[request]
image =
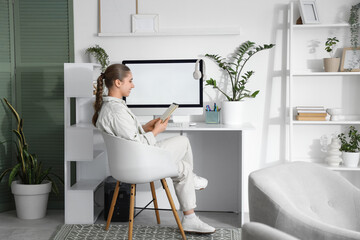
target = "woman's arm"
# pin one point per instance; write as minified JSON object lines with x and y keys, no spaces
{"x":150,"y":125}
{"x":160,"y":126}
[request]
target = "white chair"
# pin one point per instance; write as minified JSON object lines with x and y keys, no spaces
{"x":134,"y":163}
{"x":306,"y":201}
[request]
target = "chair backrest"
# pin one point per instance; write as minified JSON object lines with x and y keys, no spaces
{"x":303,"y":188}
{"x":133,"y":162}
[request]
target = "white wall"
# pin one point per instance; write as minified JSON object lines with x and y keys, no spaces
{"x":259,"y":20}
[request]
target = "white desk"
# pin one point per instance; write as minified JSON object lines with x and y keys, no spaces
{"x":220,"y":155}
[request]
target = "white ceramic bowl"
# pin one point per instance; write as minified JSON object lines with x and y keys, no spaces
{"x":334,"y":111}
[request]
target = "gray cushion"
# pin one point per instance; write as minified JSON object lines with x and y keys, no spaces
{"x":305,"y":200}
{"x":259,"y":231}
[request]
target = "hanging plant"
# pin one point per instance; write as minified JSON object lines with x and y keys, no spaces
{"x":354,"y":25}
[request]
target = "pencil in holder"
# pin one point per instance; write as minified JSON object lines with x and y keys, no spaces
{"x":212,"y":117}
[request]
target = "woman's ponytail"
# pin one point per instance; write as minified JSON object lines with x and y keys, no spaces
{"x":113,"y":72}
{"x":99,"y":98}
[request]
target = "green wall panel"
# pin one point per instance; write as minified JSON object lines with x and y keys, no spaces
{"x":6,"y":91}
{"x":36,"y":38}
{"x":43,"y":40}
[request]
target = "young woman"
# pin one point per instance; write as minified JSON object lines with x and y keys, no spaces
{"x":114,"y":117}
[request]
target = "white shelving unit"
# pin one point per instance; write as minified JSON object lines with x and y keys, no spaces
{"x":84,"y":146}
{"x":306,"y":72}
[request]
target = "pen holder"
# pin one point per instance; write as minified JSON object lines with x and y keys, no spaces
{"x":212,"y":117}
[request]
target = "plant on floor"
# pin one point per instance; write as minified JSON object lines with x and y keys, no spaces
{"x":234,"y":66}
{"x":354,"y":25}
{"x":330,"y":44}
{"x":27,"y":168}
{"x":351,"y":142}
{"x":100,"y":54}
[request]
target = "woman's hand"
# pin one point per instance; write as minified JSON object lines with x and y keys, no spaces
{"x":160,"y":126}
{"x":150,"y":125}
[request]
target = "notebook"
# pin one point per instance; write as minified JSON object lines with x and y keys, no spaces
{"x":169,"y":111}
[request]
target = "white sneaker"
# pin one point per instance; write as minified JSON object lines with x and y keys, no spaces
{"x":199,"y":182}
{"x":195,"y":225}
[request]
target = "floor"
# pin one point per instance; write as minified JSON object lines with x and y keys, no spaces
{"x":12,"y":228}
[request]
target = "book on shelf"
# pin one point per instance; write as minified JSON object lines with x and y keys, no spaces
{"x":311,"y":111}
{"x":307,"y":118}
{"x":310,"y":108}
{"x":312,"y":114}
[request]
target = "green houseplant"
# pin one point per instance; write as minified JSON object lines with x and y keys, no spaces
{"x":350,"y":147}
{"x":28,"y":177}
{"x":233,"y":68}
{"x":331,"y":64}
{"x":100,"y":55}
{"x":354,"y":25}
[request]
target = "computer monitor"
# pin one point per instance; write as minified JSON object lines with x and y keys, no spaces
{"x":158,"y":83}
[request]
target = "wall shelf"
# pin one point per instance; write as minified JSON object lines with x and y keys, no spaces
{"x":340,"y":168}
{"x":304,"y":74}
{"x":180,"y":32}
{"x":331,"y":25}
{"x":295,"y":122}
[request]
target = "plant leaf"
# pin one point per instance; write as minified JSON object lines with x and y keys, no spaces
{"x":3,"y":174}
{"x":14,"y":172}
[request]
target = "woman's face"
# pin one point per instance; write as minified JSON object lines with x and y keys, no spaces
{"x":126,"y":85}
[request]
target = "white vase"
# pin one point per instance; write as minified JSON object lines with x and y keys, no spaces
{"x":351,"y":159}
{"x":31,"y":199}
{"x":333,"y":154}
{"x":232,"y":112}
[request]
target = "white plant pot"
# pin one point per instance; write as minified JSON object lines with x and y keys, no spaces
{"x":351,"y":159}
{"x":232,"y":112}
{"x":93,"y":59}
{"x":31,"y":199}
{"x":331,"y":64}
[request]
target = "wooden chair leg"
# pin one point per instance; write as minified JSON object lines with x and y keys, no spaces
{"x":155,"y":202}
{"x":163,"y":181}
{"x":113,"y":202}
{"x":131,"y":213}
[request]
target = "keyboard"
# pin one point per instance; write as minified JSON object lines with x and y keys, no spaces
{"x":177,"y":124}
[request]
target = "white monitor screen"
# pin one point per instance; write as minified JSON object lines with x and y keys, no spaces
{"x":162,"y":82}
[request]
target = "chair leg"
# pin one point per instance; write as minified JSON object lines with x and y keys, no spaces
{"x":155,"y":202}
{"x":163,"y":181}
{"x":113,"y":202}
{"x":131,"y":213}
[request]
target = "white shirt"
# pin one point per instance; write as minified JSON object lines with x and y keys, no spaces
{"x":116,"y":118}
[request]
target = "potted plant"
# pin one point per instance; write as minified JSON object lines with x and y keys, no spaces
{"x":29,"y":181}
{"x":233,"y":67}
{"x":331,"y":64}
{"x":354,"y":25}
{"x":350,"y":147}
{"x":99,"y":55}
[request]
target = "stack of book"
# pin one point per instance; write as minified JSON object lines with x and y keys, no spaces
{"x":311,"y":113}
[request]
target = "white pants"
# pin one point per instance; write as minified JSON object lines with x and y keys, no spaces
{"x":184,"y":183}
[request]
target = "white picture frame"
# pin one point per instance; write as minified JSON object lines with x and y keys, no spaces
{"x":308,"y":12}
{"x":115,"y":16}
{"x":145,"y":23}
{"x":350,"y":61}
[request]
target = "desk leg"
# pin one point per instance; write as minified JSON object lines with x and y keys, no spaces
{"x":245,"y":165}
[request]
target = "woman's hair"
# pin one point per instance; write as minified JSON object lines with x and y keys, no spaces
{"x":113,"y":72}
